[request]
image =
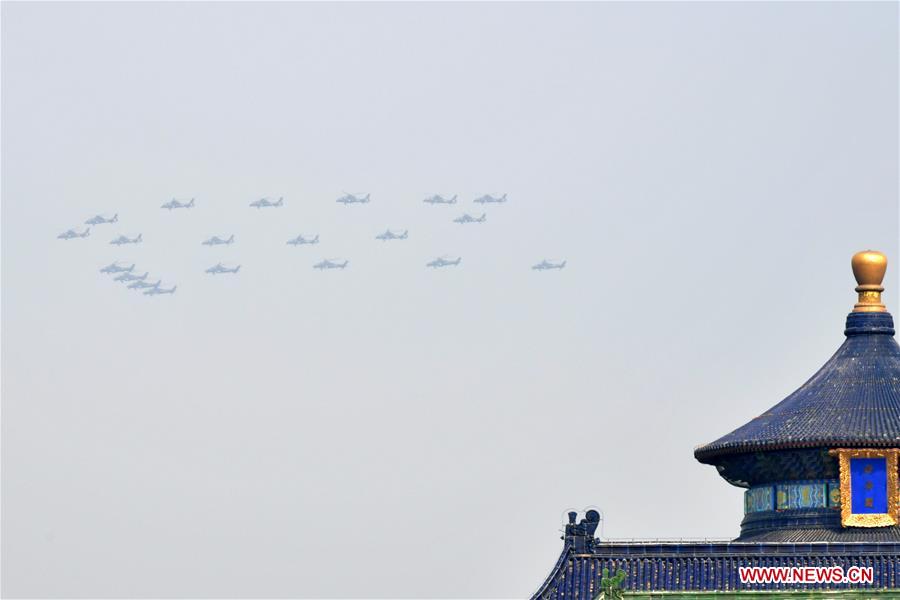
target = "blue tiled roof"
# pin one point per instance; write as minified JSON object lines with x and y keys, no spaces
{"x":854,"y":399}
{"x":705,"y":567}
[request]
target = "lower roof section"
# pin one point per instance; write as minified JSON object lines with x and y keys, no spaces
{"x":657,"y":567}
{"x":826,"y":534}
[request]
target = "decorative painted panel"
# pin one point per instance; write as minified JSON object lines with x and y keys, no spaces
{"x":793,"y":495}
{"x":759,"y":499}
{"x":806,"y":495}
{"x":834,"y":494}
{"x":799,"y":496}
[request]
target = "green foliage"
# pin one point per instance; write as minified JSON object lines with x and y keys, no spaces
{"x":611,"y":587}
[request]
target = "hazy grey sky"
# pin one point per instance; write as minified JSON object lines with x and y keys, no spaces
{"x":390,"y":431}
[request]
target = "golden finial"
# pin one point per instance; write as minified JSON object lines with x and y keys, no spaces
{"x":869,"y":267}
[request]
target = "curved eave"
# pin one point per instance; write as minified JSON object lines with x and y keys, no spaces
{"x":706,"y":453}
{"x":555,"y":575}
{"x":852,"y":400}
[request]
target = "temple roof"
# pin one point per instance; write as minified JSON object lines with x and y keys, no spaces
{"x":652,"y":569}
{"x":853,"y":400}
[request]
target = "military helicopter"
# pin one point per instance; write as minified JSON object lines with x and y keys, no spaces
{"x":330,"y":264}
{"x":348,"y":199}
{"x":131,"y":277}
{"x":217,"y":241}
{"x":72,"y":234}
{"x":390,"y":235}
{"x":443,"y":261}
{"x":300,"y":240}
{"x":438,"y":199}
{"x":141,"y":284}
{"x":266,"y":203}
{"x":125,"y":240}
{"x":546,"y":265}
{"x":156,"y":290}
{"x":488,"y":199}
{"x":115,"y":268}
{"x":173,"y":204}
{"x":100,"y":220}
{"x":219,"y":268}
{"x":467,"y":218}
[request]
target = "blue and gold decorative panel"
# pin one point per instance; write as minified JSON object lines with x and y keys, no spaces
{"x":781,"y":496}
{"x":807,"y":495}
{"x":759,"y":499}
{"x":804,"y":495}
{"x":868,"y":487}
{"x":834,"y":494}
{"x":801,"y":495}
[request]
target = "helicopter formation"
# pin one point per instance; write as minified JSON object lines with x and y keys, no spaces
{"x":125,"y":274}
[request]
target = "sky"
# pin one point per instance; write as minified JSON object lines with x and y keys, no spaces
{"x":706,"y":170}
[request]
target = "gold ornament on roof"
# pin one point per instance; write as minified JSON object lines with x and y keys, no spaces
{"x":869,"y":267}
